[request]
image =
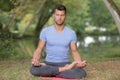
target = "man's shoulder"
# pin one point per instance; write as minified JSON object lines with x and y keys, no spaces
{"x":69,"y":29}
{"x":47,"y":28}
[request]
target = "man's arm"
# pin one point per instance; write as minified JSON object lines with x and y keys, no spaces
{"x":37,"y":53}
{"x":76,"y":55}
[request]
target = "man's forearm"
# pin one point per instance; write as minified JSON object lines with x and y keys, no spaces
{"x":37,"y":54}
{"x":39,"y":49}
{"x":76,"y":56}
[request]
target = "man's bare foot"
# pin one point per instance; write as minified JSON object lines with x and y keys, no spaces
{"x":42,"y":64}
{"x":68,"y":66}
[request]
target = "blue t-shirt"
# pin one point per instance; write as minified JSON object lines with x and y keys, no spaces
{"x":57,"y":44}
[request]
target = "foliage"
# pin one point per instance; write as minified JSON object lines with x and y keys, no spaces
{"x":6,"y":45}
{"x":100,"y":16}
{"x":77,"y":14}
{"x":3,"y":17}
{"x":117,"y":2}
{"x":4,"y":5}
{"x":23,"y":23}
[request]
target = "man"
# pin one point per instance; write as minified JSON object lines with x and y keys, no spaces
{"x":58,"y":40}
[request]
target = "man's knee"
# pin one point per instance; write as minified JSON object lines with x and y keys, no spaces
{"x":84,"y":74}
{"x":42,"y":70}
{"x":74,"y":73}
{"x":34,"y":71}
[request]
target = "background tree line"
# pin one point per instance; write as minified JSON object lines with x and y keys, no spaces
{"x":81,"y":14}
{"x":21,"y":18}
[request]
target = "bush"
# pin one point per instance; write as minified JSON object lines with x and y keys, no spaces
{"x":6,"y":45}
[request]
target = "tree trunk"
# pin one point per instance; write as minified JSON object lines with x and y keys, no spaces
{"x":40,"y":8}
{"x":114,"y":11}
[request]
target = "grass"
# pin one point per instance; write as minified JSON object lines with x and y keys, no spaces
{"x":15,"y":70}
{"x":19,"y":70}
{"x":107,"y":70}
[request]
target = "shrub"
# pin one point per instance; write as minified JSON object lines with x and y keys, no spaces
{"x":6,"y":45}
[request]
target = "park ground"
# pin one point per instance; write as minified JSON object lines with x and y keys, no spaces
{"x":100,"y":70}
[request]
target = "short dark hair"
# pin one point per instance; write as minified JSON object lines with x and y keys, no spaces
{"x":59,"y":7}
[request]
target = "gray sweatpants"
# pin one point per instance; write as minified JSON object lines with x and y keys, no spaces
{"x":51,"y":70}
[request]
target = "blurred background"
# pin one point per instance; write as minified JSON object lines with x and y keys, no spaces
{"x":96,"y":23}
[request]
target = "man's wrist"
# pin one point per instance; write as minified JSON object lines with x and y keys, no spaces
{"x":34,"y":59}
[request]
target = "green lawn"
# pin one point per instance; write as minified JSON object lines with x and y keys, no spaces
{"x":19,"y":70}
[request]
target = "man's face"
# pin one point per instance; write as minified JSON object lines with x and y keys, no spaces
{"x":59,"y":17}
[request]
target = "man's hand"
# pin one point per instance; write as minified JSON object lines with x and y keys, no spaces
{"x":82,"y":64}
{"x":36,"y":62}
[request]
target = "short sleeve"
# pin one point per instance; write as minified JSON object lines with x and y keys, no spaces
{"x":73,"y":38}
{"x":43,"y":35}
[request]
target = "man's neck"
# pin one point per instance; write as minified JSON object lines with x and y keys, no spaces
{"x":59,"y":28}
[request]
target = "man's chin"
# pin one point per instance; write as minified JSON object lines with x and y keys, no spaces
{"x":59,"y":24}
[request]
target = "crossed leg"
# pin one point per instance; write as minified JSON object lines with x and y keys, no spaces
{"x":67,"y":71}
